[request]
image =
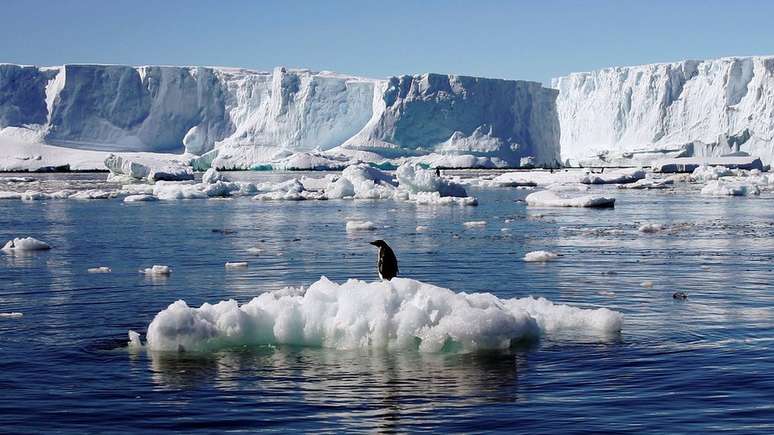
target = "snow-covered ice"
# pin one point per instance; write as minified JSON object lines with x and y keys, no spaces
{"x":401,"y":313}
{"x":140,"y":198}
{"x":621,"y":176}
{"x":650,"y":228}
{"x":236,"y":265}
{"x":25,"y":244}
{"x":360,"y":226}
{"x":722,"y":188}
{"x":11,"y":315}
{"x":157,"y":270}
{"x":100,"y":269}
{"x":547,"y":198}
{"x":540,"y":256}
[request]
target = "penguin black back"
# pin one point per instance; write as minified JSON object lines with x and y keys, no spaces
{"x":387,"y":264}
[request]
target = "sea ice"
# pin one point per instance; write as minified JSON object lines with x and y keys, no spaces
{"x":360,"y":225}
{"x":134,"y":340}
{"x":621,"y":176}
{"x":101,"y":269}
{"x":140,"y":198}
{"x":236,"y":264}
{"x":540,"y":256}
{"x":157,"y":270}
{"x":651,"y":228}
{"x":11,"y":315}
{"x":25,"y":244}
{"x":401,"y":313}
{"x":546,"y":198}
{"x":474,"y":224}
{"x":720,"y":188}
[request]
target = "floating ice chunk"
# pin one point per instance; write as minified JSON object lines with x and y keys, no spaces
{"x":212,"y":176}
{"x":720,"y":188}
{"x":236,"y":264}
{"x":140,"y":198}
{"x":10,"y":195}
{"x":647,"y":284}
{"x":651,"y":228}
{"x":401,"y":313}
{"x":101,"y":269}
{"x":157,"y":270}
{"x":93,"y":194}
{"x":649,"y":183}
{"x":170,"y":190}
{"x":25,"y":244}
{"x":254,"y":251}
{"x":148,"y":168}
{"x":32,"y":195}
{"x":415,"y":179}
{"x":540,"y":256}
{"x":134,"y":340}
{"x":17,"y":179}
{"x":708,"y":173}
{"x":474,"y":224}
{"x":137,"y":189}
{"x":360,"y":225}
{"x":621,"y":176}
{"x":546,"y":198}
{"x":422,"y":228}
{"x":11,"y":315}
{"x":435,"y":198}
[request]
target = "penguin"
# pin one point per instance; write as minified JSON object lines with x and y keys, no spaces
{"x":387,"y":264}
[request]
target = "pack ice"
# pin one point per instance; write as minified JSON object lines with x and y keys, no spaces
{"x":402,"y":313}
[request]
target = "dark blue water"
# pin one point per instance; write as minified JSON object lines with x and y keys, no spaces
{"x":700,"y":365}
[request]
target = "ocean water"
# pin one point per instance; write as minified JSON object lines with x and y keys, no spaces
{"x":700,"y":365}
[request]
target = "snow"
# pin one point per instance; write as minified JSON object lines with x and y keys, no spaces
{"x":25,"y":244}
{"x":547,"y":198}
{"x":101,"y":269}
{"x":397,"y":314}
{"x":360,"y":226}
{"x":699,"y":107}
{"x":540,"y":256}
{"x":157,"y":270}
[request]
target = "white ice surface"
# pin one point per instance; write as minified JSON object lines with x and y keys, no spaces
{"x":25,"y":244}
{"x":401,"y":313}
{"x":547,"y":198}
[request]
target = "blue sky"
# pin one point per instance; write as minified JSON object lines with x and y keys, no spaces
{"x":533,"y":40}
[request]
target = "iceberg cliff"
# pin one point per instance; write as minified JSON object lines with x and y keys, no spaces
{"x":690,"y":108}
{"x":240,"y":118}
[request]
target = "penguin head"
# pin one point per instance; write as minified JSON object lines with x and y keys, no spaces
{"x":379,"y":243}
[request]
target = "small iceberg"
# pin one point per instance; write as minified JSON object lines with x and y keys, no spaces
{"x":360,"y":226}
{"x":25,"y":244}
{"x":101,"y":269}
{"x":540,"y":256}
{"x":236,"y":264}
{"x":547,"y":198}
{"x":157,"y":270}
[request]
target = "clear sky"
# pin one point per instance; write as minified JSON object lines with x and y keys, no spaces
{"x":533,"y":40}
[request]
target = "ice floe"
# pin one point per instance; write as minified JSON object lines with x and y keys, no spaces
{"x":540,"y":256}
{"x":140,"y":198}
{"x":546,"y":198}
{"x":621,"y":176}
{"x":236,"y":265}
{"x":100,"y":269}
{"x":147,"y":168}
{"x":722,"y":188}
{"x":25,"y":244}
{"x":157,"y":270}
{"x":401,"y":313}
{"x":360,"y":226}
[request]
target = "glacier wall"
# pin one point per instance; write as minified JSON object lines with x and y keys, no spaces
{"x":711,"y":107}
{"x":262,"y":115}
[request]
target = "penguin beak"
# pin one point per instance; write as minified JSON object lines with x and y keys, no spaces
{"x":373,"y":243}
